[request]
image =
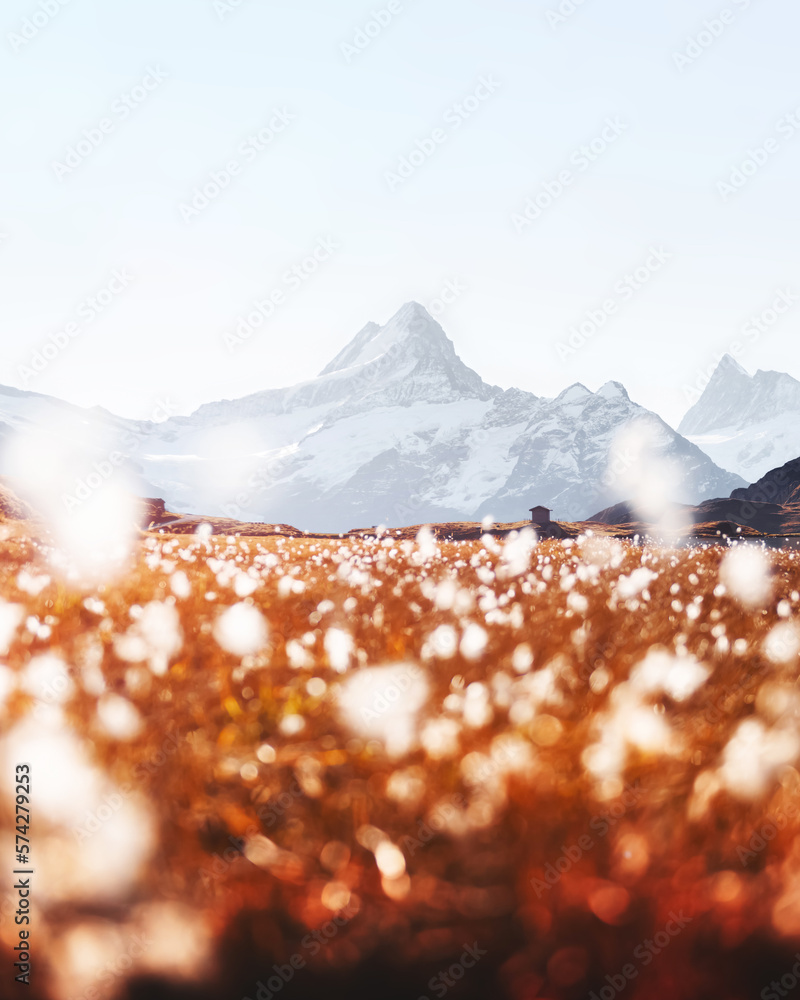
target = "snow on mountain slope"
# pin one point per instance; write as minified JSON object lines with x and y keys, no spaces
{"x":395,"y":430}
{"x":583,"y":448}
{"x":746,"y":423}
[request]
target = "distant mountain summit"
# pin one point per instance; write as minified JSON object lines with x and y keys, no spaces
{"x":721,"y":401}
{"x":748,"y":424}
{"x":397,"y":430}
{"x":413,"y":348}
{"x":414,"y":343}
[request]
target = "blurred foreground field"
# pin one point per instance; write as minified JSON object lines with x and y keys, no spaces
{"x":404,"y":768}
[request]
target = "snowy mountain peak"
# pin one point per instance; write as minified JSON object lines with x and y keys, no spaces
{"x":408,"y":359}
{"x":728,"y":391}
{"x":746,"y":423}
{"x":413,"y":315}
{"x":721,"y":398}
{"x":613,"y":390}
{"x":728,"y":365}
{"x":576,"y":393}
{"x":348,"y":356}
{"x":735,"y":399}
{"x":412,"y":330}
{"x":780,"y":381}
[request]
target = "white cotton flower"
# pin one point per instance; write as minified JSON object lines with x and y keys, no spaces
{"x":746,"y":574}
{"x":160,"y":628}
{"x":179,"y":584}
{"x":383,"y":702}
{"x":635,"y":583}
{"x":522,"y":658}
{"x":291,"y":725}
{"x":445,"y":594}
{"x":516,"y":556}
{"x":754,"y":755}
{"x":338,"y":648}
{"x":241,"y":630}
{"x":439,"y":738}
{"x":443,"y":642}
{"x":297,"y":655}
{"x":477,"y":709}
{"x":427,"y":546}
{"x":578,"y":603}
{"x":244,"y":585}
{"x":11,"y":616}
{"x":118,"y":717}
{"x":782,"y":644}
{"x":644,"y":729}
{"x":677,"y":676}
{"x":473,"y":642}
{"x":47,"y":678}
{"x":32,"y":583}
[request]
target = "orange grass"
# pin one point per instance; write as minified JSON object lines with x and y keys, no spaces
{"x":496,"y":844}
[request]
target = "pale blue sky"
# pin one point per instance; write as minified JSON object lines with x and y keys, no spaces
{"x":324,"y":176}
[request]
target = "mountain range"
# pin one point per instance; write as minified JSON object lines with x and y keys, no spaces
{"x":748,"y":424}
{"x":396,"y":429}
